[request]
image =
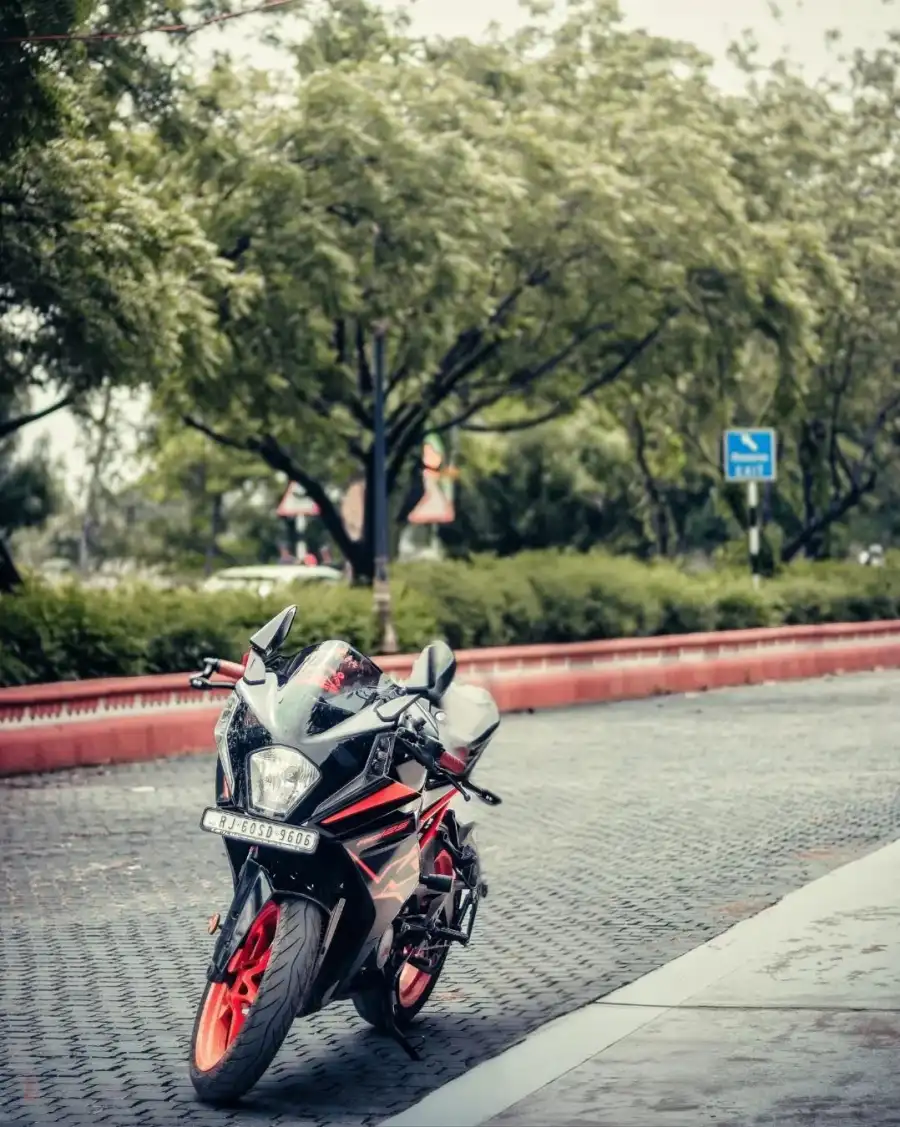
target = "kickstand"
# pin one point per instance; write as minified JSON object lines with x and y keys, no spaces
{"x":404,"y":1042}
{"x":400,"y":1037}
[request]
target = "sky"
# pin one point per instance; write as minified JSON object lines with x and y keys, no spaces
{"x":710,"y":24}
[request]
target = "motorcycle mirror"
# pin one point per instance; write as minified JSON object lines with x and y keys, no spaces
{"x":394,"y":709}
{"x":255,"y":670}
{"x":273,"y":635}
{"x":433,"y":672}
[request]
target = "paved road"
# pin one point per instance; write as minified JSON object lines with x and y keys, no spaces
{"x":630,"y":834}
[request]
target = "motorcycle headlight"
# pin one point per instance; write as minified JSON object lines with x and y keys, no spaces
{"x":279,"y":778}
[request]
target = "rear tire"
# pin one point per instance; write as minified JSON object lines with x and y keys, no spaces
{"x":224,"y":1067}
{"x":374,"y":1005}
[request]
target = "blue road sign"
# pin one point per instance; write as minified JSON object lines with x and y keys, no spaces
{"x":750,"y":455}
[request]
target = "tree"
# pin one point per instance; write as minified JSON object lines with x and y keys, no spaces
{"x":201,"y":505}
{"x":563,"y":484}
{"x":102,"y":280}
{"x":817,"y":165}
{"x":821,"y":162}
{"x":27,"y":495}
{"x":105,"y":278}
{"x":104,"y":275}
{"x":534,"y":217}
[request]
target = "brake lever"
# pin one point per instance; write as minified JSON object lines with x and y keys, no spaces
{"x":446,"y":777}
{"x":485,"y":795}
{"x":203,"y":683}
{"x":430,"y":764}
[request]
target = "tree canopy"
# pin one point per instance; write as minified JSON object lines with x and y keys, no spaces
{"x":579,"y":246}
{"x":104,"y":274}
{"x":532,"y":217}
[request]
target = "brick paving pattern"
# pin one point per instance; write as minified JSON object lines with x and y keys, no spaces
{"x":630,"y":833}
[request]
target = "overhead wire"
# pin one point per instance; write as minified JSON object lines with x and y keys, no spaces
{"x":159,"y":29}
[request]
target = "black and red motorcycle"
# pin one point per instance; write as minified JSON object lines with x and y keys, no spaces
{"x":352,"y":875}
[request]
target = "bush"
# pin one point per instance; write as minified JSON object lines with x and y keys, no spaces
{"x":66,"y":633}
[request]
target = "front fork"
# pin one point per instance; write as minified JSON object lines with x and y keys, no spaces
{"x":253,"y":890}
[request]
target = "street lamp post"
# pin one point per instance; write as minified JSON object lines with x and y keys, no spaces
{"x":381,"y":584}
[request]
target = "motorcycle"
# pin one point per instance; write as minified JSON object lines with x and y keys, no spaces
{"x":352,"y":876}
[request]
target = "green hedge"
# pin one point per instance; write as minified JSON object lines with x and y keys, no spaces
{"x":64,"y":633}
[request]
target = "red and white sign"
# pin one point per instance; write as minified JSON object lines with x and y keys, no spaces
{"x":295,"y":503}
{"x":436,"y":505}
{"x":353,"y":509}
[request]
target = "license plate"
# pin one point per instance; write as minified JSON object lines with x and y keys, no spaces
{"x":259,"y":831}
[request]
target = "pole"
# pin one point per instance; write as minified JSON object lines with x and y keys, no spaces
{"x":753,"y":526}
{"x":381,"y":586}
{"x":300,"y":537}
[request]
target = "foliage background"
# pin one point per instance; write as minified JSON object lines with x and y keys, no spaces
{"x":592,"y":260}
{"x":69,"y":632}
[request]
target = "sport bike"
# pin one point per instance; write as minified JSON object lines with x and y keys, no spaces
{"x":352,"y":876}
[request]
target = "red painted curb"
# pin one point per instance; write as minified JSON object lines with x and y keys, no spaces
{"x":565,"y":688}
{"x":188,"y":729}
{"x":112,"y":739}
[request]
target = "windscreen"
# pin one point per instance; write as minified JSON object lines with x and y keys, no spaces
{"x":324,"y":685}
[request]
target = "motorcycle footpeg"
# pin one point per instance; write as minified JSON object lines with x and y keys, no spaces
{"x":437,"y":882}
{"x":449,"y":934}
{"x":426,"y":965}
{"x":417,"y":925}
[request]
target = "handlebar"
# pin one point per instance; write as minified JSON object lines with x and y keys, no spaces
{"x":233,"y":670}
{"x":418,"y":746}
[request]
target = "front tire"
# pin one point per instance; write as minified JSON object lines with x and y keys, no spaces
{"x":241,"y":1024}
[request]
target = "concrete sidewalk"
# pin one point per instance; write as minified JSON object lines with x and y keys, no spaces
{"x":790,"y":1018}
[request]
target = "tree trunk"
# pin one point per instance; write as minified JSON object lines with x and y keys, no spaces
{"x":362,"y":561}
{"x":662,"y":531}
{"x":837,"y":509}
{"x":10,"y":578}
{"x":96,"y":470}
{"x":216,"y":527}
{"x":659,"y":517}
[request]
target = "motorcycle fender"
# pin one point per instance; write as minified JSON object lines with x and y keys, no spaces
{"x":255,"y":886}
{"x":253,"y":890}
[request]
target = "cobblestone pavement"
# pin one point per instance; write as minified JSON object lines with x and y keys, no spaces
{"x":630,"y":834}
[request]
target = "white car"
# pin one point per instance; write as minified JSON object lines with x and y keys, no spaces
{"x":262,"y":579}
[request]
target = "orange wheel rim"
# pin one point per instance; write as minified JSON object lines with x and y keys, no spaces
{"x":412,"y":982}
{"x":228,"y":1003}
{"x":411,"y":985}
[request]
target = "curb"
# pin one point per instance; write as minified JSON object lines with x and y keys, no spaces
{"x":156,"y":717}
{"x":113,"y":739}
{"x":566,"y":688}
